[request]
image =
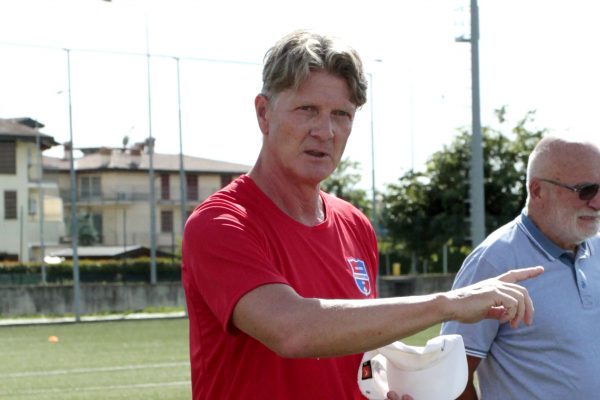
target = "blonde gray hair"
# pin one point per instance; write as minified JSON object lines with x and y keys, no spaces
{"x":291,"y":60}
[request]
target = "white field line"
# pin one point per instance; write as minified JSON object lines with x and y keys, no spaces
{"x":96,"y":388}
{"x":29,"y":374}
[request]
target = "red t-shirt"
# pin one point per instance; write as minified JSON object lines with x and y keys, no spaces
{"x":237,"y":240}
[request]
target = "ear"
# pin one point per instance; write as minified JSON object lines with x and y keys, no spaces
{"x":261,"y":106}
{"x":535,"y":189}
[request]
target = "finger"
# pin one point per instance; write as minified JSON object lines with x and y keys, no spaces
{"x":529,"y":309}
{"x":524,"y":310}
{"x":505,"y":306}
{"x":519,"y":296}
{"x":512,"y":303}
{"x":517,"y":275}
{"x":393,"y":396}
{"x":497,"y":313}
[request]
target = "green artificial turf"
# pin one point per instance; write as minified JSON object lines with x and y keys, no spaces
{"x":144,"y":359}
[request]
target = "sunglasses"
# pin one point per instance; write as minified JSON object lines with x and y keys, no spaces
{"x":586,"y":191}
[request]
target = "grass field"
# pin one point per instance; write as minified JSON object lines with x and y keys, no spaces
{"x":108,"y":360}
{"x":130,"y":360}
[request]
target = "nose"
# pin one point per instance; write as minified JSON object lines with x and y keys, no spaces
{"x":323,"y":127}
{"x":595,"y":202}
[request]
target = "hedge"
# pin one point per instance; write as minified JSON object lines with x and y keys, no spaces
{"x":126,"y":270}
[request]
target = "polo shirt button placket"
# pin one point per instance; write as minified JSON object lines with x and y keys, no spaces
{"x":586,"y":299}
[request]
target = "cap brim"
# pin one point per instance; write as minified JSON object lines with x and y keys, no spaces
{"x":437,"y":371}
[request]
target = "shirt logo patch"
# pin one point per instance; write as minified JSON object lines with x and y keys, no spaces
{"x":361,"y":277}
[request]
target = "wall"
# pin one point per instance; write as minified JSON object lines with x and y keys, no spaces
{"x":408,"y":285}
{"x":21,"y":300}
{"x":17,"y":300}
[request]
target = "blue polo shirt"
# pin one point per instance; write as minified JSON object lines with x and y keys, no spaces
{"x":558,"y":356}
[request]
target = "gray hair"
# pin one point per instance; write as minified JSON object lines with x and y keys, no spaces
{"x":539,"y":158}
{"x":291,"y":60}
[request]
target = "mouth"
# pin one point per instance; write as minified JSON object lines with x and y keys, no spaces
{"x":315,"y":153}
{"x":590,"y":218}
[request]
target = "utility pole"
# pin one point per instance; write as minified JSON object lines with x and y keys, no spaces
{"x":74,"y":225}
{"x":477,"y":184}
{"x":182,"y":181}
{"x":476,"y":193}
{"x":150,"y":141}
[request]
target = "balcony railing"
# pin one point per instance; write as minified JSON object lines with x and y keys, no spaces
{"x":130,"y":195}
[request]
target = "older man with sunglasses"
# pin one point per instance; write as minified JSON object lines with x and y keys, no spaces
{"x":558,"y":356}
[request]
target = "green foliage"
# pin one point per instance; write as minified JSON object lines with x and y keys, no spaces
{"x":424,"y":211}
{"x":125,"y":270}
{"x":505,"y":169}
{"x":87,"y":233}
{"x":343,"y":184}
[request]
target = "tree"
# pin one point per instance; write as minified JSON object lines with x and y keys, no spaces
{"x":424,"y":211}
{"x":343,"y":184}
{"x":87,"y":233}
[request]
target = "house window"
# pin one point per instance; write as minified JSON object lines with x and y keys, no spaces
{"x":10,"y":204}
{"x":32,"y":206}
{"x":226,"y":179}
{"x":8,"y":158}
{"x":89,"y":187}
{"x":166,"y":221}
{"x":165,"y":189}
{"x":192,"y":186}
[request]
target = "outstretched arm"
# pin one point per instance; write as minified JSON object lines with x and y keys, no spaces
{"x":293,"y":326}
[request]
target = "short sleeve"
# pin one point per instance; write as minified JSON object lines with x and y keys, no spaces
{"x":478,"y":337}
{"x":225,"y":257}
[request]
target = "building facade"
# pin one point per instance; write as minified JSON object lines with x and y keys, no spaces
{"x":31,"y":210}
{"x":113,"y":193}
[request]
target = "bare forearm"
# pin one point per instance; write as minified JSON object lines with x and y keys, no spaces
{"x":303,"y":327}
{"x":294,"y":326}
{"x":351,"y":326}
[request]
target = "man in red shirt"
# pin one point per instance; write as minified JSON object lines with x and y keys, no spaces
{"x":280,"y":276}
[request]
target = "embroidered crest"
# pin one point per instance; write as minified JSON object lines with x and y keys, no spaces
{"x":361,"y":277}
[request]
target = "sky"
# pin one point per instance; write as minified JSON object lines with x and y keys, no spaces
{"x":534,"y":55}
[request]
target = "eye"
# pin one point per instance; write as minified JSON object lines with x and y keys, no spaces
{"x":307,"y":108}
{"x":342,"y":113}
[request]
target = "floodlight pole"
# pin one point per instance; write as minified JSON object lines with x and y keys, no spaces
{"x":150,"y":142}
{"x":373,"y":187}
{"x":182,"y":181}
{"x":476,"y":192}
{"x":477,"y":181}
{"x":38,"y":144}
{"x":74,"y":227}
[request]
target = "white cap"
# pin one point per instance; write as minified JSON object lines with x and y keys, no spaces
{"x":437,"y":371}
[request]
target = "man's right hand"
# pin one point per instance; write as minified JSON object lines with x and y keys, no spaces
{"x":394,"y":396}
{"x":498,"y":298}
